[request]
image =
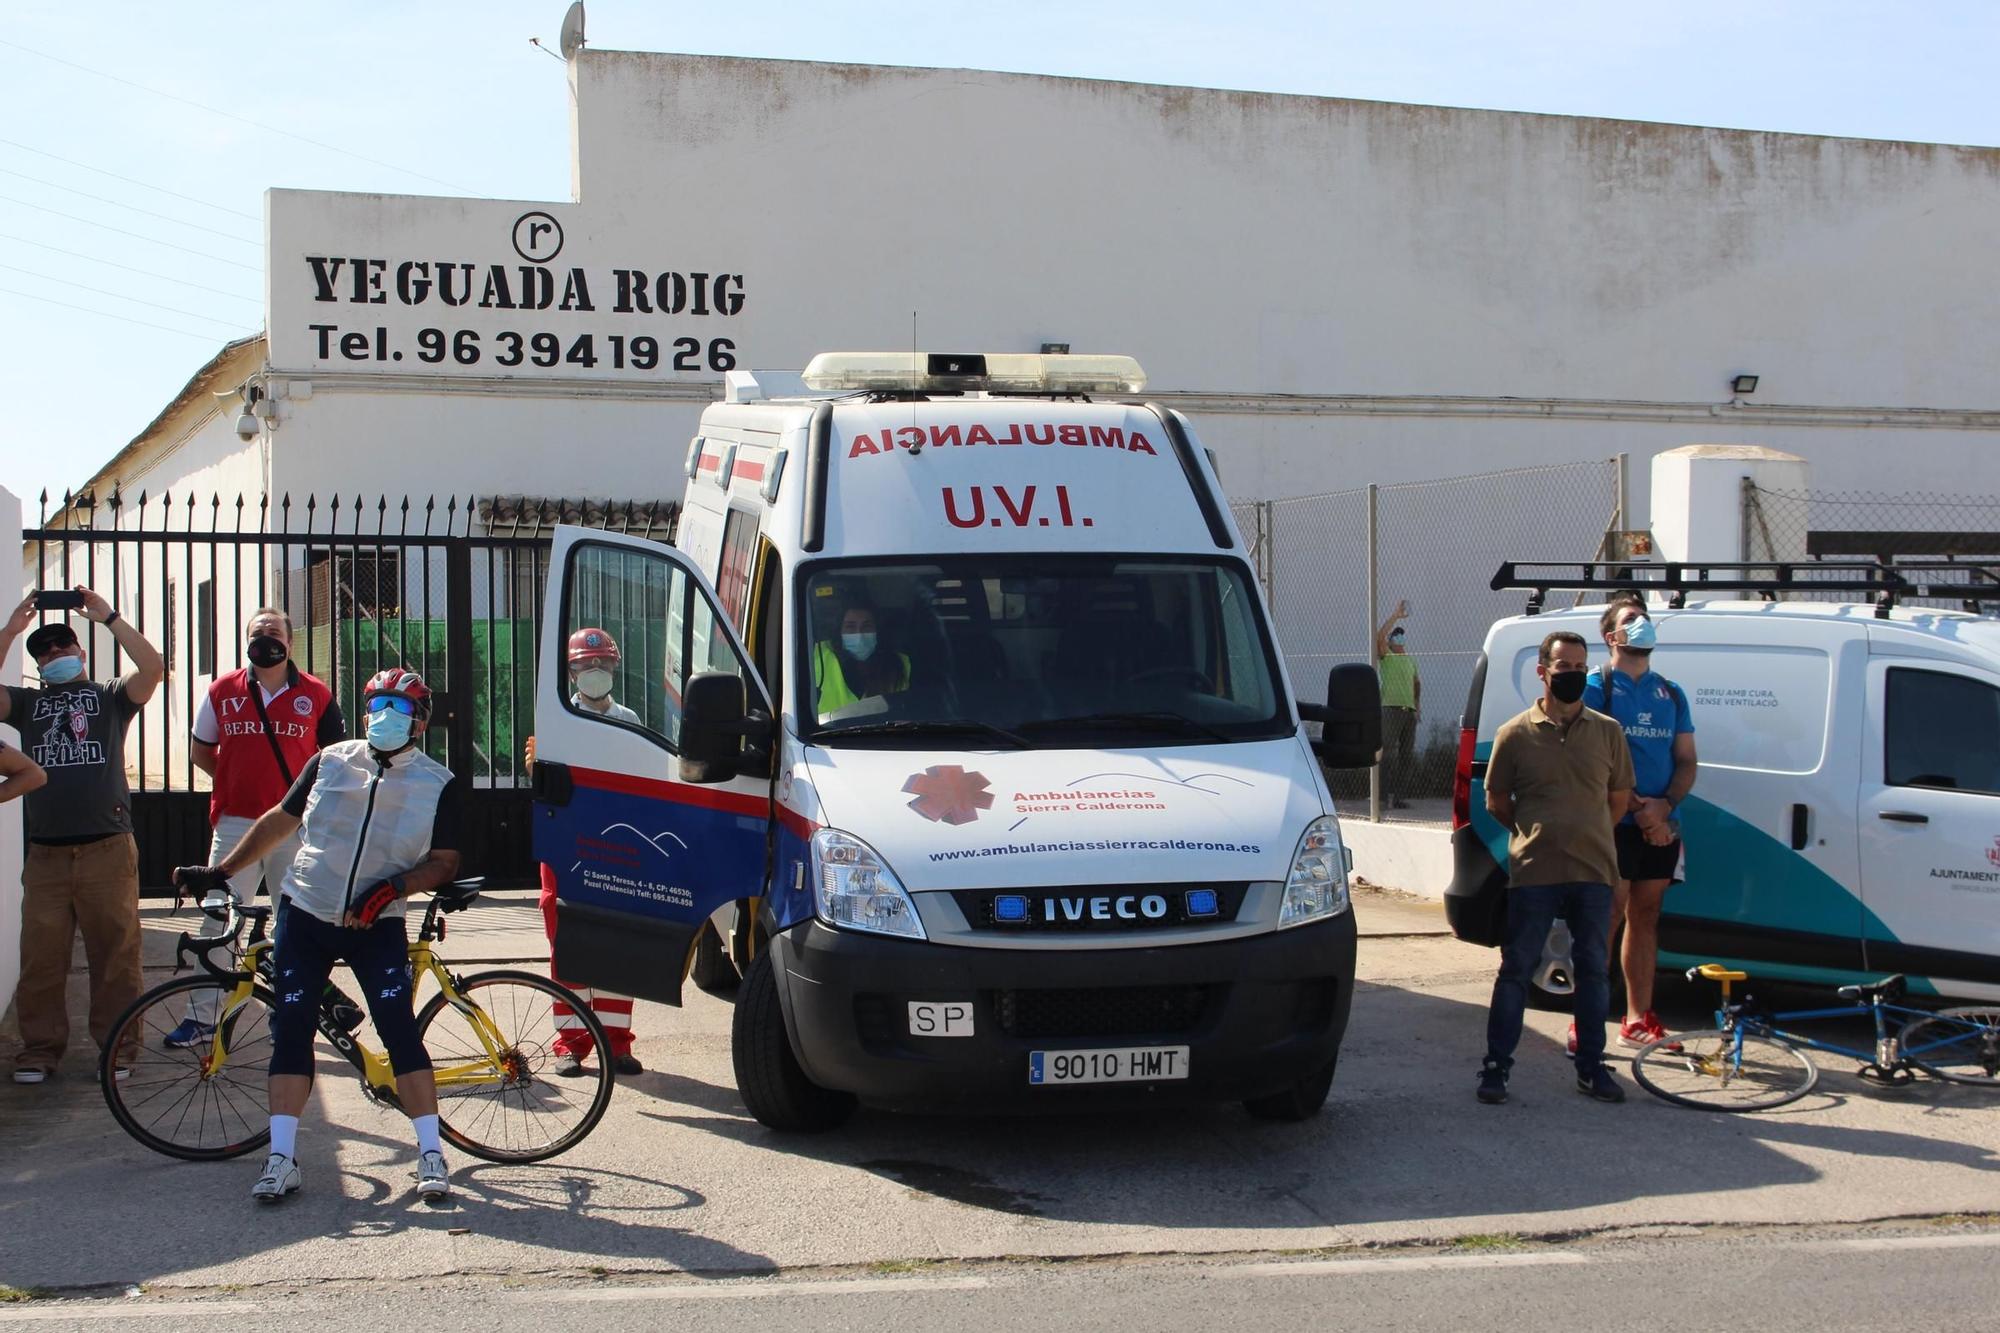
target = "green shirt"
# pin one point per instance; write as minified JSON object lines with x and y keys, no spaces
{"x":1399,"y":680}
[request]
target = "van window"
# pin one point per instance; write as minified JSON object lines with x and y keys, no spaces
{"x":1062,"y":651}
{"x":658,"y":629}
{"x":739,"y":550}
{"x":1942,"y":730}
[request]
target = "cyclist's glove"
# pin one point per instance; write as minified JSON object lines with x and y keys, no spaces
{"x":375,"y":901}
{"x":203,"y":884}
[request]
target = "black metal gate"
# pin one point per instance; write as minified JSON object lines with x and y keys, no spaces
{"x":452,"y":590}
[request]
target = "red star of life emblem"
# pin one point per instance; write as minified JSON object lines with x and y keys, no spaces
{"x":947,"y":792}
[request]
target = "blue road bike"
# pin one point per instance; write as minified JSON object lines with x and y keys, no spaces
{"x":1750,"y":1061}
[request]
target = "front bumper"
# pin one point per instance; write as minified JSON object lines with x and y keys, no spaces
{"x":1257,"y":1014}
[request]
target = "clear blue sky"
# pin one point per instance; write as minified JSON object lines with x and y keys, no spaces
{"x":442,"y":98}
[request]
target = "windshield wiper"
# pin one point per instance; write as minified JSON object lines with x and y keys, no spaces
{"x":959,"y":726}
{"x":1157,"y":721}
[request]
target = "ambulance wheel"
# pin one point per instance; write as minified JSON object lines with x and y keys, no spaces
{"x":713,"y":972}
{"x":768,"y":1076}
{"x":1301,"y":1101}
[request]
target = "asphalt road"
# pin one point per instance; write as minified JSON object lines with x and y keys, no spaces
{"x":1935,"y":1278}
{"x":679,"y":1181}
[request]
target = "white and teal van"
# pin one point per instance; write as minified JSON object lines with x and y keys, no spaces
{"x":958,"y":696}
{"x":1846,"y":822}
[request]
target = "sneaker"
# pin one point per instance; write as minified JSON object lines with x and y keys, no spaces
{"x":567,"y":1065}
{"x":1493,"y":1082}
{"x":119,"y":1073}
{"x":1644,"y":1032}
{"x":31,"y":1074}
{"x":627,"y":1064}
{"x":281,"y":1177}
{"x":1569,"y":1045}
{"x":188,"y":1033}
{"x":433,"y":1177}
{"x":1599,"y":1085}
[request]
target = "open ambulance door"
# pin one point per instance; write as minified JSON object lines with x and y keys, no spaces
{"x":653,"y":813}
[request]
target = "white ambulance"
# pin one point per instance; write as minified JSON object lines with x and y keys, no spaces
{"x":960,"y":684}
{"x":1846,"y":821}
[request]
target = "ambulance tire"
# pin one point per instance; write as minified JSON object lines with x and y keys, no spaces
{"x":1301,"y":1101}
{"x":713,"y":973}
{"x":774,"y":1088}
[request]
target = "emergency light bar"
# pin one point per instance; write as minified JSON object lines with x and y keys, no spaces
{"x":995,"y":372}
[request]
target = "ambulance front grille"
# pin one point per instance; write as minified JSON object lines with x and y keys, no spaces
{"x":1108,"y":1011}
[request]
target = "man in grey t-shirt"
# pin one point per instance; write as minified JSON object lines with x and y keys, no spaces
{"x":82,"y":866}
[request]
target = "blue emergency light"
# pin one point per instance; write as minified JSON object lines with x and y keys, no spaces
{"x":1203,"y":902}
{"x":1010,"y":909}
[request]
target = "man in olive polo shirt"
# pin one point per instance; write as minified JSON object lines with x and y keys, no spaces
{"x":1558,"y":780}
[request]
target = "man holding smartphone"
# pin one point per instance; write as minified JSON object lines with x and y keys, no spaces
{"x":82,"y":867}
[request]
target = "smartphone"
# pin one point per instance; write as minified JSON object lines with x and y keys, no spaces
{"x":58,"y":599}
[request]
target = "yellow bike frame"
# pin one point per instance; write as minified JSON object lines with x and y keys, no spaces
{"x":373,"y":1064}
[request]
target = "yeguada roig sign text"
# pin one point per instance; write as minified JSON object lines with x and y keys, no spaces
{"x":482,"y":290}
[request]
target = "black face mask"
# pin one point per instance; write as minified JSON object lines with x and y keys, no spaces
{"x":266,"y":650}
{"x":1566,"y":687}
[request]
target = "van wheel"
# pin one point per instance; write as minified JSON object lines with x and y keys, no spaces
{"x":768,"y":1076}
{"x":713,"y":972}
{"x":1301,"y":1101}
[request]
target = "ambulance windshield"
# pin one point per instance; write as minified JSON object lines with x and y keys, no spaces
{"x":1038,"y":650}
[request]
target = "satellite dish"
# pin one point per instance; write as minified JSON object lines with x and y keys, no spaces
{"x":571,"y":40}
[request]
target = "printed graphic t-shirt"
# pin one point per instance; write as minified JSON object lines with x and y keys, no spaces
{"x":1652,"y":710}
{"x":77,"y":733}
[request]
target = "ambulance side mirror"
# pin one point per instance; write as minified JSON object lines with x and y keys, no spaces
{"x":714,"y":724}
{"x":1351,"y":735}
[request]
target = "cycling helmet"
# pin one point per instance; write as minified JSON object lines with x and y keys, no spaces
{"x":399,"y":680}
{"x":592,"y":644}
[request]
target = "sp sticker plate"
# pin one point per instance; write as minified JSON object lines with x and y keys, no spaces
{"x":941,"y":1018}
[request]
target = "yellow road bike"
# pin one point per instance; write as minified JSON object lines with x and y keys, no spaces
{"x":200,"y":1095}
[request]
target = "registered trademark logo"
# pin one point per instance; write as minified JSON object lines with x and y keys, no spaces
{"x":947,"y":793}
{"x":538,"y":238}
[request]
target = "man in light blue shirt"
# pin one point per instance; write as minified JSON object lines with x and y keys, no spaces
{"x":1653,"y":711}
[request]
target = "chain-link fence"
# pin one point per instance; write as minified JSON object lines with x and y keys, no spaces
{"x":1340,"y":567}
{"x":1849,"y":526}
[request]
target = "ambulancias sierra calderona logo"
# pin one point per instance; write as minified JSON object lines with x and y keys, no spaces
{"x":947,"y":793}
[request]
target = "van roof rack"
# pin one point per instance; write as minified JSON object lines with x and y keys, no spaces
{"x":1976,"y":585}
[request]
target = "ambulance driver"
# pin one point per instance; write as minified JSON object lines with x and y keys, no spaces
{"x":857,"y":665}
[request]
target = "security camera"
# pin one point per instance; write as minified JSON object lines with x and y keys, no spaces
{"x":247,"y":426}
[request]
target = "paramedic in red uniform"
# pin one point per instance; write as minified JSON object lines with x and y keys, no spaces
{"x":593,"y":671}
{"x":254,"y":744}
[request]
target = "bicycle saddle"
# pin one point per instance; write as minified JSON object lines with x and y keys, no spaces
{"x":1716,"y":972}
{"x":1888,"y":988}
{"x":459,"y":894}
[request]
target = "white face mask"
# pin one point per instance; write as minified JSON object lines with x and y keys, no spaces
{"x":594,"y":683}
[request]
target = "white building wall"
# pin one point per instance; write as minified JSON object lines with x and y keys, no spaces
{"x":1340,"y":291}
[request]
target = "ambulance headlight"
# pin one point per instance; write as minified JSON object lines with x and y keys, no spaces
{"x":854,"y":889}
{"x":1316,"y":888}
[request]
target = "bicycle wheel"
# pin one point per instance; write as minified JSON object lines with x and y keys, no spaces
{"x":1710,"y":1073}
{"x":1961,"y":1045}
{"x":180,"y":1100}
{"x":513,"y":1109}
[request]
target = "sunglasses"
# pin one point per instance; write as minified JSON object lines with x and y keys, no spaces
{"x":395,"y":701}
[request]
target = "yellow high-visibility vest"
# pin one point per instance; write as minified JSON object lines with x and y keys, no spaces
{"x":834,"y":693}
